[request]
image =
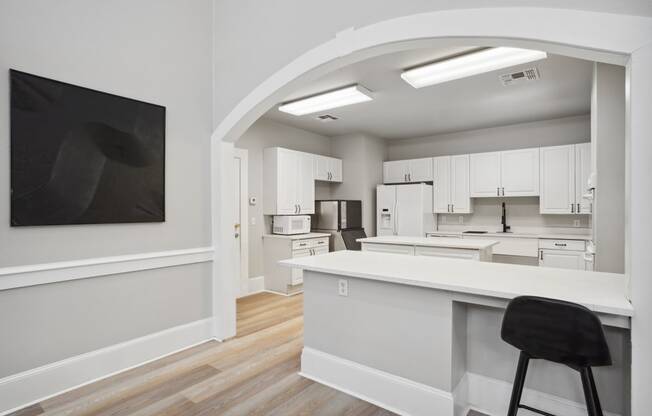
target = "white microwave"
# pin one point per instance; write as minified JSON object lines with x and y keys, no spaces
{"x":291,"y":224}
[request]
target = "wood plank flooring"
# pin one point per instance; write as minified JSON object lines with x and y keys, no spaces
{"x":256,"y":373}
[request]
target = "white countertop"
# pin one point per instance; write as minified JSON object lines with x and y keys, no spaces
{"x":462,"y":243}
{"x":296,"y":236}
{"x":551,"y":236}
{"x":600,"y":292}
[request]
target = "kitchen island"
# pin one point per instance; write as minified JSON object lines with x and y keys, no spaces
{"x":469,"y":249}
{"x":421,"y":335}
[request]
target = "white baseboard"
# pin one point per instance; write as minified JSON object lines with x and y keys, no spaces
{"x":254,"y":285}
{"x":35,"y":385}
{"x":391,"y":392}
{"x":491,"y":396}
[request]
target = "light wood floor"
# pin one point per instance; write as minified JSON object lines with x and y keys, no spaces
{"x":252,"y":374}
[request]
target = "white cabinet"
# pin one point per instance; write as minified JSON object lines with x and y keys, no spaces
{"x":328,"y":169}
{"x":288,"y":178}
{"x":279,"y":247}
{"x":508,"y":173}
{"x":563,"y":254}
{"x":412,"y":170}
{"x":451,"y":192}
{"x":564,"y":174}
{"x":388,"y":248}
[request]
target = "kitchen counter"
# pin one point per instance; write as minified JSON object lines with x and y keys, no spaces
{"x":467,"y":243}
{"x":297,"y":236}
{"x":552,"y":236}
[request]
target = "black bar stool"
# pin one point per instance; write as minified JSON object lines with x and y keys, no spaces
{"x":558,"y":331}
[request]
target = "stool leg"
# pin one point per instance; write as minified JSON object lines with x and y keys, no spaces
{"x":590,"y":393}
{"x":519,"y":381}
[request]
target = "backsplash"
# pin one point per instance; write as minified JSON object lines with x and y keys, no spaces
{"x":522,"y":215}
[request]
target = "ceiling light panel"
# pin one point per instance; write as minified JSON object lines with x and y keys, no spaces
{"x":326,"y":101}
{"x":475,"y":63}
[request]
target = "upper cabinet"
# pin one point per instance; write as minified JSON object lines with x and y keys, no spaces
{"x":451,"y":183}
{"x":289,"y":186}
{"x":564,"y":177}
{"x":328,"y":169}
{"x":407,"y":171}
{"x":508,"y":173}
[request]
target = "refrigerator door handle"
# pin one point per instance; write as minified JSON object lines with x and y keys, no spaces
{"x":396,"y":217}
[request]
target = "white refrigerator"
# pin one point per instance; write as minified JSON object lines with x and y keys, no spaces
{"x":404,"y":210}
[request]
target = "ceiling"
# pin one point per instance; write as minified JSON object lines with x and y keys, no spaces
{"x":399,"y":111}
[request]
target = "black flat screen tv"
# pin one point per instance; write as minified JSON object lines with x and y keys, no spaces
{"x":80,"y":156}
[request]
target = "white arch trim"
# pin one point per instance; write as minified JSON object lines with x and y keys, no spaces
{"x":610,"y":38}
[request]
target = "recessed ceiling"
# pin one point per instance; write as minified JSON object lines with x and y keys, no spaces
{"x":399,"y":111}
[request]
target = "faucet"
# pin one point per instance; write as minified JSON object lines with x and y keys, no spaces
{"x":504,"y":221}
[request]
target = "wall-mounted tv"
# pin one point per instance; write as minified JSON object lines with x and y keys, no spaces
{"x":80,"y":156}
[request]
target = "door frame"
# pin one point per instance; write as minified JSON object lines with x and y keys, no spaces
{"x":243,"y":279}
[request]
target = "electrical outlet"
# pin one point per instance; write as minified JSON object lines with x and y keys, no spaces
{"x":460,"y":220}
{"x":576,"y":223}
{"x":343,"y":287}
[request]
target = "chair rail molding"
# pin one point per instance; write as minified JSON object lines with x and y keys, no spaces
{"x":39,"y":274}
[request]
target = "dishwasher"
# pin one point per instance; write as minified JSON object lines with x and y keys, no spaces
{"x":564,"y":254}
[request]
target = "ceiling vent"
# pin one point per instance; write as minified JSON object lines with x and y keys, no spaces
{"x":326,"y":118}
{"x":529,"y":74}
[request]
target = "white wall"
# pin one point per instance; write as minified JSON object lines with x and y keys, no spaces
{"x":158,"y":51}
{"x":362,"y":166}
{"x":608,"y":141}
{"x":267,"y":133}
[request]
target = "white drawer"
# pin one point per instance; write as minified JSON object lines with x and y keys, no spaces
{"x":388,"y":248}
{"x":310,"y":243}
{"x":575,"y":245}
{"x":453,"y":253}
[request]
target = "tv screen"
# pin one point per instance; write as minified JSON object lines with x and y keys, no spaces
{"x":80,"y":156}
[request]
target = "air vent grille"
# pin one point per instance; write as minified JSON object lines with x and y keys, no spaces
{"x":325,"y":118}
{"x":529,"y":74}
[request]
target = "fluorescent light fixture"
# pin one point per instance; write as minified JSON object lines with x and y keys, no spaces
{"x":463,"y":66}
{"x":332,"y":99}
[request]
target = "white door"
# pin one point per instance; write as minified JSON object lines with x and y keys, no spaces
{"x":420,"y":170}
{"x":582,"y":172}
{"x":321,"y":167}
{"x":442,"y":184}
{"x":385,"y":210}
{"x":410,"y":210}
{"x":562,"y":259}
{"x":460,"y":185}
{"x":335,"y":169}
{"x":287,"y":189}
{"x":557,"y":173}
{"x":240,"y":229}
{"x":305,"y":181}
{"x":395,"y":171}
{"x":485,"y":174}
{"x":520,"y":172}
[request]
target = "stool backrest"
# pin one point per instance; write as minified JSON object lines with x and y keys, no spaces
{"x":555,"y":330}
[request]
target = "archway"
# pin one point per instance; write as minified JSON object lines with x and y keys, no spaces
{"x":601,"y":37}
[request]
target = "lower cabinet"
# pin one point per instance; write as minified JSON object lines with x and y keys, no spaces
{"x":564,"y":254}
{"x":449,"y":252}
{"x":278,"y":247}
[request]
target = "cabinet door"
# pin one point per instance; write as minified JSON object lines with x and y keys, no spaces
{"x":335,"y":169}
{"x":460,"y":185}
{"x":321,"y":167}
{"x":582,"y":172}
{"x":562,"y":259}
{"x":297,"y":274}
{"x":485,"y":174}
{"x":420,"y":170}
{"x":395,"y":171}
{"x":441,"y":195}
{"x":305,"y":183}
{"x":519,"y":172}
{"x":557,"y":173}
{"x":287,"y":187}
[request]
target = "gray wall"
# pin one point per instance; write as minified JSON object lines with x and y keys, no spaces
{"x":154,"y":50}
{"x":362,"y":166}
{"x":516,"y":136}
{"x":267,"y":133}
{"x":608,"y":140}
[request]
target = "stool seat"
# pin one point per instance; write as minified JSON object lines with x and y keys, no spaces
{"x":558,"y":331}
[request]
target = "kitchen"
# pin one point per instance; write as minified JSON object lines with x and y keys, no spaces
{"x":520,"y":189}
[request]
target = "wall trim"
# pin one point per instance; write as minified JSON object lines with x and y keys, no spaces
{"x":491,"y":396}
{"x":254,"y":285}
{"x":391,"y":392}
{"x":32,"y":386}
{"x":39,"y":274}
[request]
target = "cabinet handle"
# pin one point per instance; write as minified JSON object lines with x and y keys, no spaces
{"x":299,"y":208}
{"x":409,"y":177}
{"x":578,"y":208}
{"x":452,"y":207}
{"x":560,"y":244}
{"x":497,"y":191}
{"x":540,"y":254}
{"x":503,"y":191}
{"x":572,"y":208}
